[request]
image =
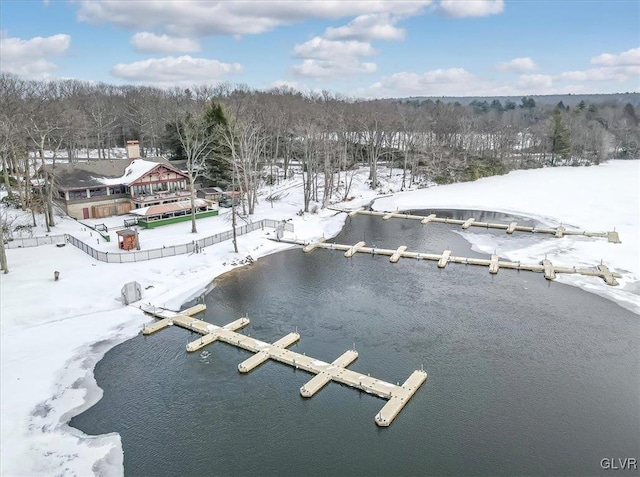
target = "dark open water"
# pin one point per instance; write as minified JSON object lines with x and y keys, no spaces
{"x":526,"y":377}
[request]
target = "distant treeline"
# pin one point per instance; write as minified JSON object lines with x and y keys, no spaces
{"x":325,"y":134}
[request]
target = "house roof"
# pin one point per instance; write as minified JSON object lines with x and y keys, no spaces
{"x":169,"y":208}
{"x":212,"y":190}
{"x":96,"y":173}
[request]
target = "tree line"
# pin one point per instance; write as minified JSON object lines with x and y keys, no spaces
{"x":237,"y":137}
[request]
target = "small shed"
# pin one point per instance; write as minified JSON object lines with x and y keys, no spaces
{"x":127,"y":239}
{"x":210,"y":193}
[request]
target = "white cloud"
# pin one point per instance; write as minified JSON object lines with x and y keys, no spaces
{"x":172,"y":70}
{"x":627,"y":58}
{"x":518,"y":65}
{"x":146,"y":42}
{"x":328,"y":69}
{"x":322,"y":49}
{"x":470,"y":8}
{"x":31,"y":57}
{"x":198,"y":18}
{"x":332,"y":59}
{"x":452,"y":81}
{"x":375,"y":26}
{"x":622,"y":73}
{"x":535,"y":82}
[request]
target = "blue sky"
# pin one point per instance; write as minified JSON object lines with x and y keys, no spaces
{"x":356,"y":48}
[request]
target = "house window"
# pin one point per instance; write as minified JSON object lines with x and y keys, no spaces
{"x":116,"y":190}
{"x":142,"y":189}
{"x":77,"y":194}
{"x":61,"y":194}
{"x":98,"y":192}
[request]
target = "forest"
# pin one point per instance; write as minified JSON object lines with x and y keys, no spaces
{"x":237,"y":137}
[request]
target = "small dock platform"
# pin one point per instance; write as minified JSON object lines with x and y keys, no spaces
{"x":337,"y":370}
{"x":494,"y":263}
{"x":510,"y":228}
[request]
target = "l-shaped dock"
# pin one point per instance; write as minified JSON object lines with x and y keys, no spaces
{"x":337,"y":371}
{"x":494,"y":263}
{"x":510,"y":228}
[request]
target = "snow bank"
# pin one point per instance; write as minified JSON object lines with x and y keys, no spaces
{"x":595,"y":199}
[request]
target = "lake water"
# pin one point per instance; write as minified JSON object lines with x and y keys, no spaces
{"x":526,"y":376}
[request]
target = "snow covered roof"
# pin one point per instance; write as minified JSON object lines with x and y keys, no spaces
{"x":96,"y":173}
{"x":170,"y":208}
{"x":135,"y":170}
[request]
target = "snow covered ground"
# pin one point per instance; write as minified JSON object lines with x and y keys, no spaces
{"x":52,"y":333}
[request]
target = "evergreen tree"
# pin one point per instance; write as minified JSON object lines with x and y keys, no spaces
{"x":496,"y":105}
{"x":559,"y":136}
{"x":219,"y":168}
{"x":528,"y":103}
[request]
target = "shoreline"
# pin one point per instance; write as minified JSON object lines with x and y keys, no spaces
{"x":77,"y":389}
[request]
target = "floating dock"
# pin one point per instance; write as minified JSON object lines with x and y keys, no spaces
{"x":337,"y":370}
{"x":494,"y":263}
{"x":510,"y":228}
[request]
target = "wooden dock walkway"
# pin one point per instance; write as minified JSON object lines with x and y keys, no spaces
{"x":510,"y":228}
{"x":550,"y":271}
{"x":337,"y":371}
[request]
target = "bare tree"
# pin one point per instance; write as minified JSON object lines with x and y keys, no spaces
{"x":197,"y":141}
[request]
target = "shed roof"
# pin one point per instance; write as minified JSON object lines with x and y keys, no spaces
{"x":169,"y":208}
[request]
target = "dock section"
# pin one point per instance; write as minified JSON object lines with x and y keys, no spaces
{"x":494,"y":263}
{"x":467,"y":223}
{"x":396,"y":256}
{"x":510,"y":228}
{"x":549,"y":271}
{"x":263,"y":355}
{"x":444,"y":259}
{"x":400,"y":398}
{"x":337,"y":371}
{"x":428,"y":219}
{"x":312,"y":246}
{"x":353,"y":250}
{"x":494,"y":266}
{"x":331,"y":372}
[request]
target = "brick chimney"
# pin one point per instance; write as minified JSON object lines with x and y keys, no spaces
{"x":133,"y":150}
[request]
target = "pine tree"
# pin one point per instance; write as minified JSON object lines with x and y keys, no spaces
{"x":559,"y":136}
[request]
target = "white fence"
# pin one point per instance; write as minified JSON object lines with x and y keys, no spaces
{"x":152,"y":254}
{"x":35,"y":241}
